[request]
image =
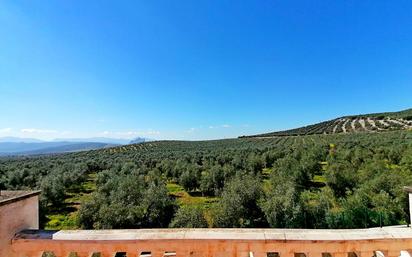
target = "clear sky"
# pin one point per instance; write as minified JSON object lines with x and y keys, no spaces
{"x":198,"y":69}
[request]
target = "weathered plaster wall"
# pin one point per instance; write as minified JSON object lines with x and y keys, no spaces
{"x":14,"y":217}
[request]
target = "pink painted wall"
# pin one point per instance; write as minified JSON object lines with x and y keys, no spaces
{"x":14,"y":217}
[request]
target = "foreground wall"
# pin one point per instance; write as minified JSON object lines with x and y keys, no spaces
{"x":18,"y":210}
{"x":379,"y":242}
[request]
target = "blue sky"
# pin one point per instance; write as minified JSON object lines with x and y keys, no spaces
{"x":198,"y":69}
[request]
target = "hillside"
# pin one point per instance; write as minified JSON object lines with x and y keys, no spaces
{"x":375,"y":122}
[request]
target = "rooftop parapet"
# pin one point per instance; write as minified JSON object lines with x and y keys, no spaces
{"x":283,"y":235}
{"x":379,"y":242}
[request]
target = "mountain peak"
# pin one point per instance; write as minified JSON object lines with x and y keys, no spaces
{"x":138,"y":140}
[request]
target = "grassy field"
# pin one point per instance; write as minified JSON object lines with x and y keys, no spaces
{"x":193,"y":198}
{"x":184,"y":198}
{"x":66,"y":217}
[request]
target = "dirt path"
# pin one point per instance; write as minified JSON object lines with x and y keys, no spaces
{"x":384,"y":123}
{"x":402,"y":123}
{"x":344,"y":125}
{"x":371,"y":122}
{"x":352,"y":124}
{"x":408,"y":122}
{"x":336,"y":126}
{"x":362,"y":123}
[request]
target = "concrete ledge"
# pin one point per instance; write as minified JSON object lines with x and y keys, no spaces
{"x":7,"y":197}
{"x":399,"y":232}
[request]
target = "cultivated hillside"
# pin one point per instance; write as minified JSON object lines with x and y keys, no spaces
{"x":374,"y":122}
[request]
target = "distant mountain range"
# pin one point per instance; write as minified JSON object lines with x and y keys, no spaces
{"x":31,"y":146}
{"x":19,"y":140}
{"x":374,"y":122}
